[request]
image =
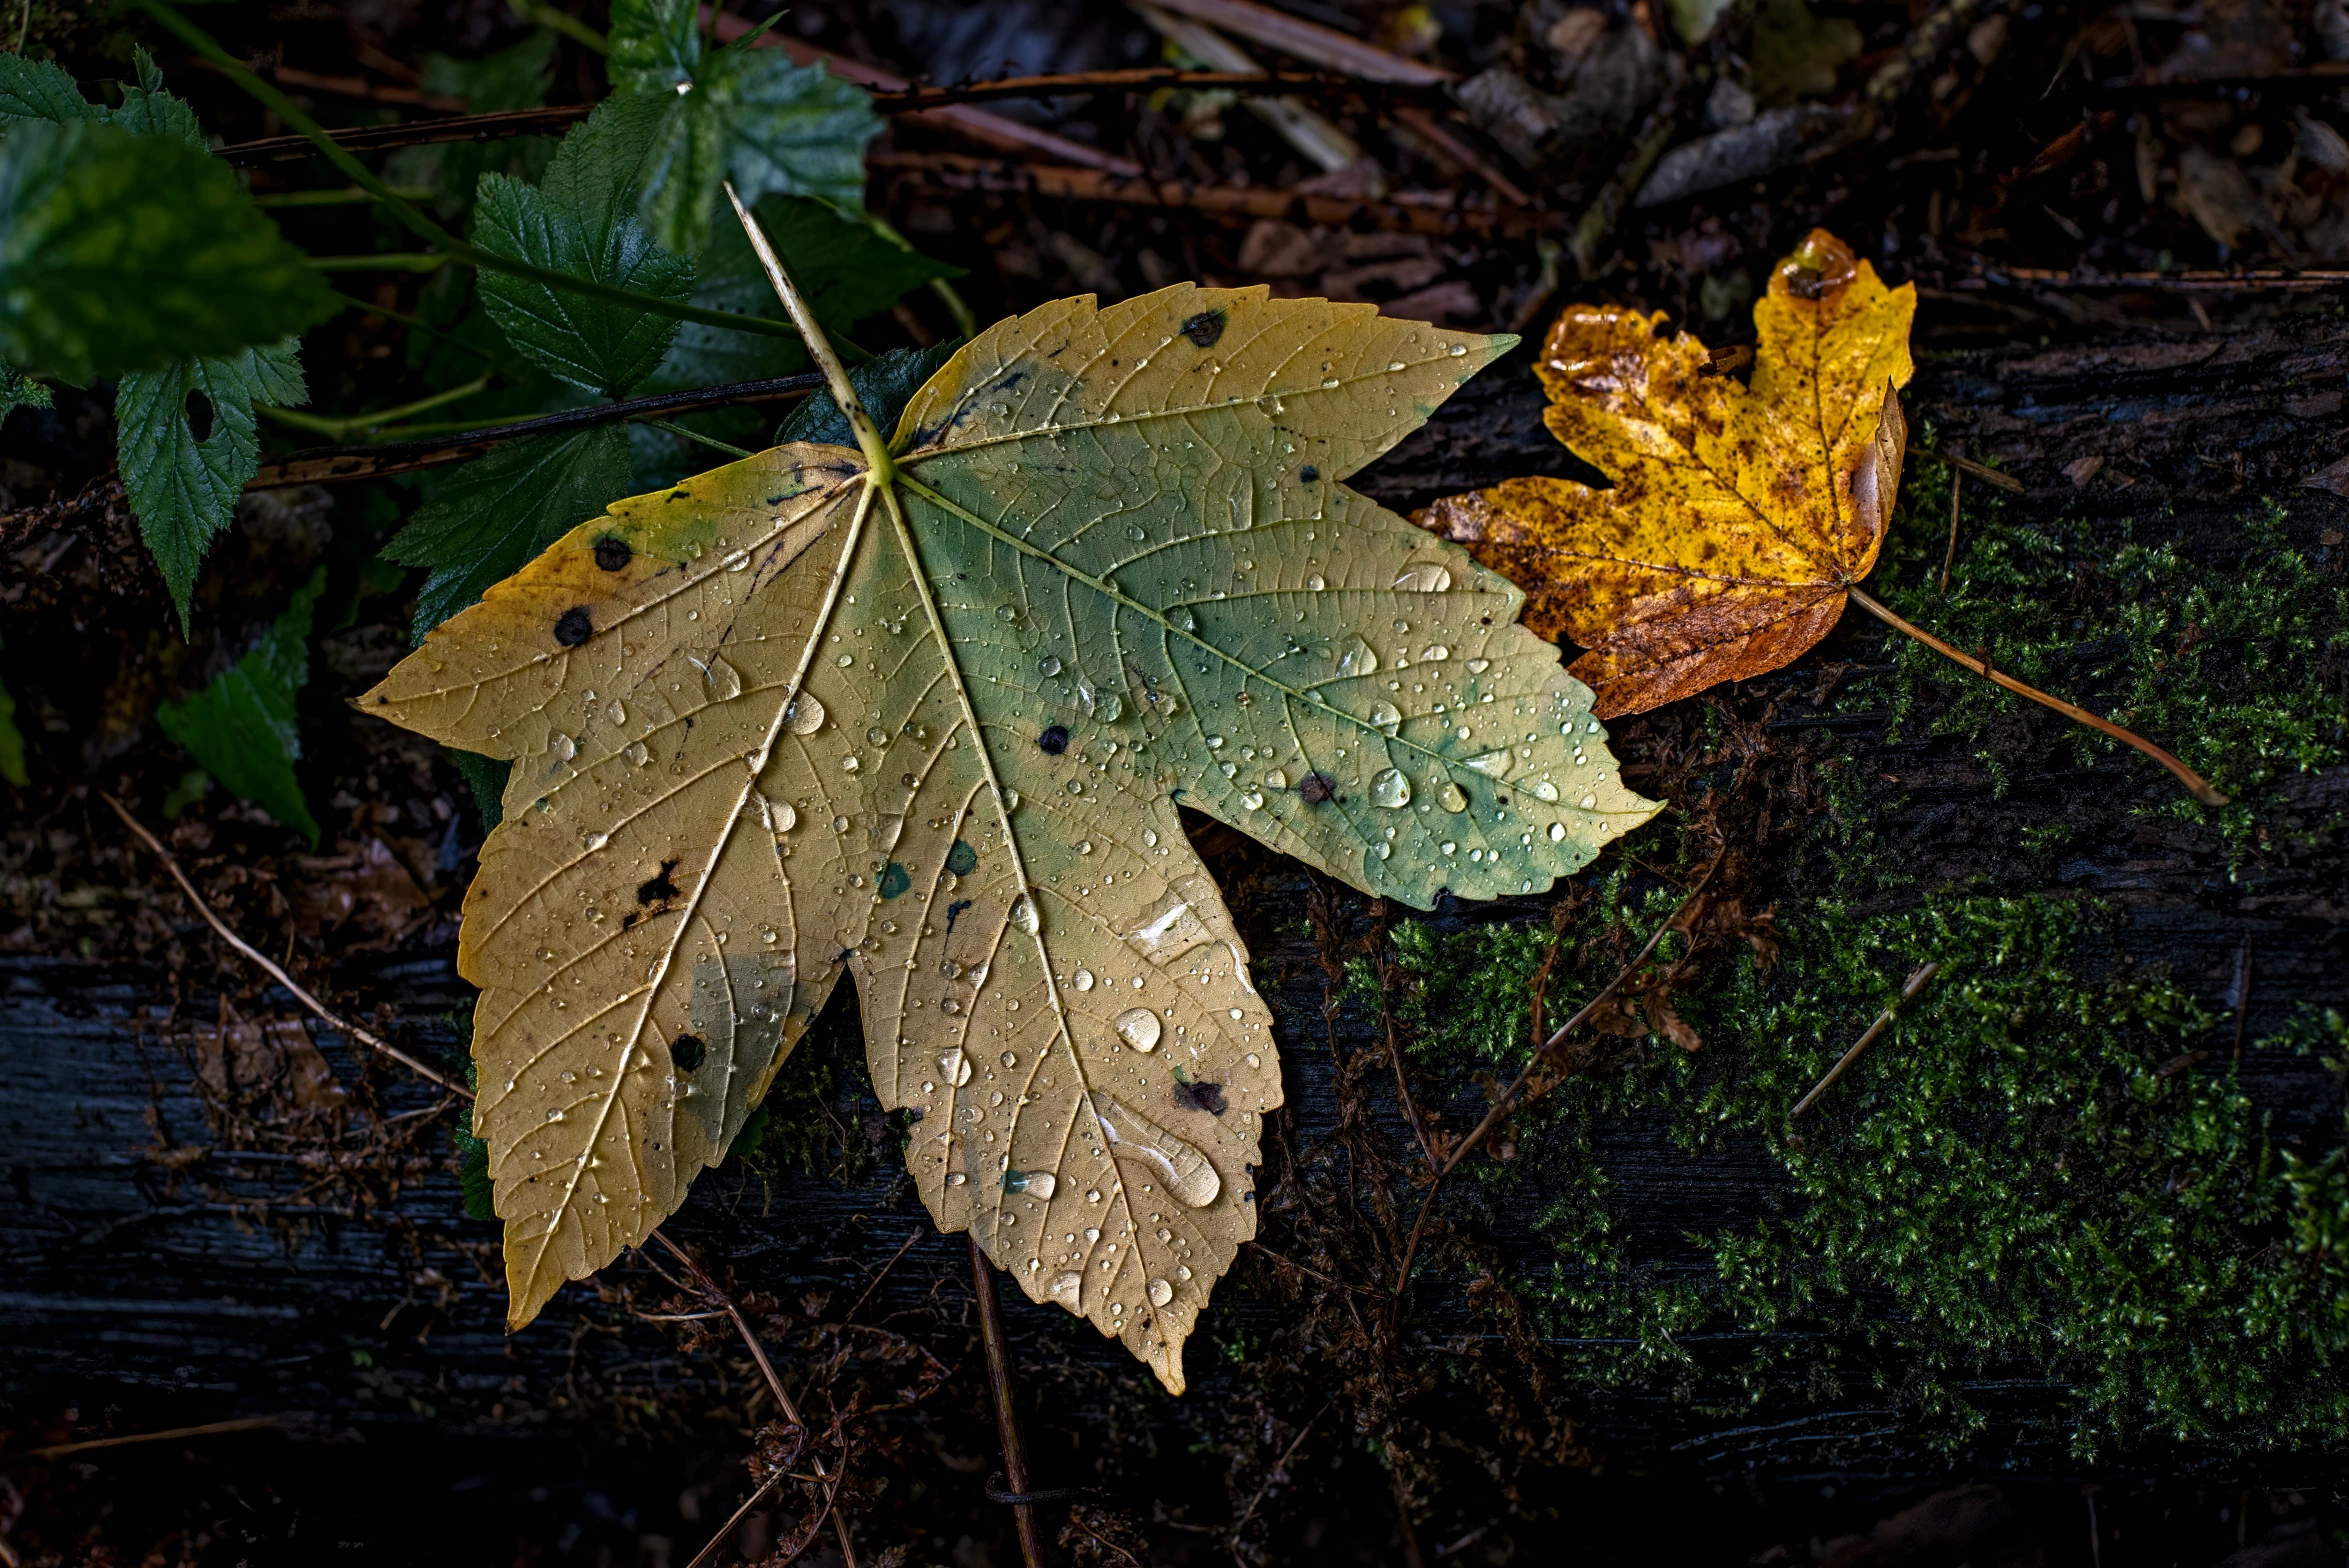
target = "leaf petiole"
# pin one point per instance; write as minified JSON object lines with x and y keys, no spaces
{"x":344,"y":428}
{"x":2195,"y":783}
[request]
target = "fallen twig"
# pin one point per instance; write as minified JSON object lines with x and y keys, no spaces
{"x":1916,"y":982}
{"x":1232,"y":1540}
{"x":415,"y":133}
{"x":1966,"y":465}
{"x":167,"y":1435}
{"x":1007,"y":1421}
{"x":1292,"y":34}
{"x":1957,"y":481}
{"x":1413,"y":212}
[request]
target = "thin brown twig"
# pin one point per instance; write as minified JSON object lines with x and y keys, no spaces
{"x":366,"y":1037}
{"x":1966,"y":465}
{"x":1007,"y":1421}
{"x":1504,"y":1101}
{"x":2195,"y":783}
{"x":1134,"y":79}
{"x":1232,"y":1540}
{"x":874,"y":1283}
{"x":726,"y":1530}
{"x":1916,"y":982}
{"x":167,"y":1435}
{"x":1957,"y":482}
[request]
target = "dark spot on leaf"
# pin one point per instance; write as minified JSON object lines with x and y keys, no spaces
{"x":1206,"y":1097}
{"x":776,"y":500}
{"x":1309,"y":473}
{"x":686,"y":1051}
{"x":1054,"y":741}
{"x":1318,"y":789}
{"x":680,"y":495}
{"x":962,"y":860}
{"x":198,"y":412}
{"x":612,"y":553}
{"x":660,"y":889}
{"x":895,"y":879}
{"x":573,"y":627}
{"x":1204,"y":328}
{"x":954,"y":912}
{"x":628,"y":921}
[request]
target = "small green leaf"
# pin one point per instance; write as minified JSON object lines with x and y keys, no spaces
{"x":40,"y":90}
{"x":124,"y":252}
{"x":883,"y":384}
{"x":184,"y":490}
{"x":12,"y":767}
{"x":473,"y":1171}
{"x":493,"y":514}
{"x":241,"y":726}
{"x":580,"y":223}
{"x":750,"y":115}
{"x":18,"y":390}
{"x":486,"y":778}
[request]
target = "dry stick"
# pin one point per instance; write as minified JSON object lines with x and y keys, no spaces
{"x":1007,"y":1420}
{"x":726,"y":1530}
{"x":2195,"y":783}
{"x":368,"y":1038}
{"x":1957,"y":480}
{"x":169,"y":1434}
{"x":377,"y":1043}
{"x":1503,"y":1101}
{"x":2242,"y":993}
{"x":758,"y":1353}
{"x":1916,"y":982}
{"x":1232,"y":1541}
{"x":1966,"y":465}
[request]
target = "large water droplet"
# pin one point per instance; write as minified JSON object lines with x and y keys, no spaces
{"x":1083,"y":980}
{"x":1389,"y":788}
{"x":888,"y":828}
{"x":1036,"y":1184}
{"x":616,"y":713}
{"x":1139,"y":1027}
{"x":1023,"y":914}
{"x":1588,"y":801}
{"x":1160,"y":1293}
{"x":596,"y":841}
{"x":1069,"y":1290}
{"x":956,"y":1067}
{"x":637,"y":753}
{"x":723,"y":679}
{"x":1494,"y":764}
{"x":1543,"y":789}
{"x":1252,"y":799}
{"x":1426,"y":577}
{"x":1049,"y":665}
{"x":562,"y":748}
{"x":1356,"y":658}
{"x":1557,"y":832}
{"x":1451,"y":797}
{"x":1436,"y":650}
{"x":782,"y":816}
{"x":805,"y":716}
{"x":1387,"y":717}
{"x":1185,"y":1170}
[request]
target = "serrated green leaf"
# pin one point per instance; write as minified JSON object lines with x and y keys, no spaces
{"x":183,"y":490}
{"x":843,"y":269}
{"x":936,"y":726}
{"x":750,"y":115}
{"x":122,"y":252}
{"x":242,"y":727}
{"x":40,"y":91}
{"x":883,"y":385}
{"x":492,"y":514}
{"x":18,"y":390}
{"x":582,"y":222}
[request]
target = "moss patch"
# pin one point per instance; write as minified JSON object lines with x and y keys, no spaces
{"x":2029,"y":1176}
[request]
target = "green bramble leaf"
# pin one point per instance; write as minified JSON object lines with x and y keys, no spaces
{"x":241,"y":727}
{"x":492,"y":514}
{"x":184,"y":487}
{"x":40,"y":91}
{"x":123,"y":252}
{"x":740,"y":113}
{"x":582,"y":222}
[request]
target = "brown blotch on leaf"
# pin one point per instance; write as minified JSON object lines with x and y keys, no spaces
{"x":658,"y":889}
{"x":573,"y":627}
{"x":613,"y":554}
{"x":1205,"y":329}
{"x":686,"y":1051}
{"x":1206,"y":1097}
{"x":1317,"y":789}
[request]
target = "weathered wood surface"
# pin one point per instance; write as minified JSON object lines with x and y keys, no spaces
{"x":120,"y":1277}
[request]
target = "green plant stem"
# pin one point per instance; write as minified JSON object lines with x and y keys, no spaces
{"x":416,"y":324}
{"x":882,"y":468}
{"x":539,"y":14}
{"x":2196,"y":785}
{"x":966,"y":320}
{"x":418,"y":223}
{"x":694,"y":435}
{"x":351,"y":196}
{"x":387,"y":261}
{"x":344,"y":428}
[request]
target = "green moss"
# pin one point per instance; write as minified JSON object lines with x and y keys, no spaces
{"x":2236,"y":671}
{"x":2008,"y":1185}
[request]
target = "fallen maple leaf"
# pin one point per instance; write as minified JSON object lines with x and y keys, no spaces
{"x":1740,"y":520}
{"x":924,"y":710}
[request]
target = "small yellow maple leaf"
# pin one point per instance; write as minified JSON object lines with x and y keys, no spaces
{"x":1739,"y":517}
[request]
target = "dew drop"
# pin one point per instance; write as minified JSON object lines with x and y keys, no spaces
{"x":1276,"y":779}
{"x":1084,"y":846}
{"x":1068,"y":1289}
{"x":1390,"y":789}
{"x":1356,"y":658}
{"x":1139,"y":1027}
{"x":956,"y":1067}
{"x":1588,"y":801}
{"x":723,"y":679}
{"x":805,"y":716}
{"x":1543,"y":789}
{"x":596,"y":841}
{"x":1253,"y":799}
{"x":1023,"y":915}
{"x":955,"y":1178}
{"x":637,"y":753}
{"x":617,"y":713}
{"x":1160,"y":1291}
{"x":1557,"y":832}
{"x":1316,"y":582}
{"x":1426,"y":577}
{"x":1494,"y":764}
{"x":1007,"y":613}
{"x":562,"y":748}
{"x":1451,"y":797}
{"x":1187,"y":1174}
{"x":1436,"y":650}
{"x":1084,"y":980}
{"x":1459,"y":350}
{"x":1049,"y":665}
{"x":1387,"y":717}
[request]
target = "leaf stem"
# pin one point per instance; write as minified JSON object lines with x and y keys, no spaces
{"x":349,"y":424}
{"x":417,"y":222}
{"x":694,"y":435}
{"x":1007,"y":1417}
{"x":2195,"y":783}
{"x":882,"y":467}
